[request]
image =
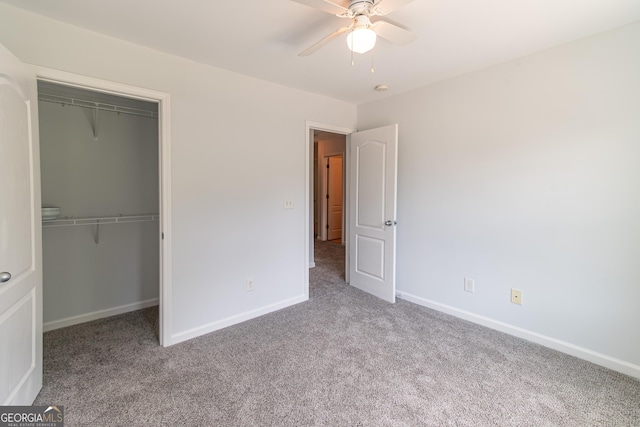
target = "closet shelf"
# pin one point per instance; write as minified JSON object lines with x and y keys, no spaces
{"x":63,"y":100}
{"x":99,"y":220}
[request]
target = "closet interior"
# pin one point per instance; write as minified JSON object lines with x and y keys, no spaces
{"x":100,"y":196}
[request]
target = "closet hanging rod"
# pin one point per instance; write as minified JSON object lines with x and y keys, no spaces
{"x":56,"y":99}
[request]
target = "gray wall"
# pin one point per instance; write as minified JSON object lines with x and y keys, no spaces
{"x":117,"y":174}
{"x":526,"y":175}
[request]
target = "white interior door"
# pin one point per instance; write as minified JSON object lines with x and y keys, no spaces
{"x":334,"y":199}
{"x":372,"y":211}
{"x":20,"y":235}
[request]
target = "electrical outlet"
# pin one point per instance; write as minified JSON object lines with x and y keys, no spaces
{"x":250,"y":285}
{"x":516,"y":296}
{"x":288,"y":204}
{"x":469,"y":285}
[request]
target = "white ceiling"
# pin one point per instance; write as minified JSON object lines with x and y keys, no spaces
{"x":262,"y":38}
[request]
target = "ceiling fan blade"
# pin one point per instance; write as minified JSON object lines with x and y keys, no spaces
{"x":382,"y":7}
{"x":393,"y":33}
{"x":311,"y":49}
{"x":325,"y":6}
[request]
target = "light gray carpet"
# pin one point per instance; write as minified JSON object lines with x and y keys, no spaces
{"x":344,"y":358}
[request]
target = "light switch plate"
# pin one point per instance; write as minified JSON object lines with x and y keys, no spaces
{"x":469,"y":285}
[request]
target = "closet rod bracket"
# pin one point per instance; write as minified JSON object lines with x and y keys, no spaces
{"x":95,"y":124}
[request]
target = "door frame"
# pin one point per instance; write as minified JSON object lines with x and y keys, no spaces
{"x":308,"y":205}
{"x":164,"y":164}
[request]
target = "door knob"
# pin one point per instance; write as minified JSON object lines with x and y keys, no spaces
{"x":389,"y":223}
{"x":5,"y":276}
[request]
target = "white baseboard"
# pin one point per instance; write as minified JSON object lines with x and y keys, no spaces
{"x":95,"y":315}
{"x":563,"y":346}
{"x":233,"y":320}
{"x":312,"y":264}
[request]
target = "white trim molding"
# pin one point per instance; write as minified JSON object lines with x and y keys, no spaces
{"x":553,"y":343}
{"x":164,"y":150}
{"x":310,"y":126}
{"x":100,"y":314}
{"x":234,"y":320}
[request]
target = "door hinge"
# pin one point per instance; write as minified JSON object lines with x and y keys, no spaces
{"x":162,"y":236}
{"x":327,"y":196}
{"x":327,"y":226}
{"x":327,"y":165}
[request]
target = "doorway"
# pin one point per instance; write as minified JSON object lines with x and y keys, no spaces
{"x":316,"y":205}
{"x":370,"y":221}
{"x":99,"y":180}
{"x":103,"y":229}
{"x":329,"y":191}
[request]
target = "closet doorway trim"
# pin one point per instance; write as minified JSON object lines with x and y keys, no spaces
{"x":164,"y":151}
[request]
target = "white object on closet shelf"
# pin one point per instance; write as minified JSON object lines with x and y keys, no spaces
{"x":50,"y":212}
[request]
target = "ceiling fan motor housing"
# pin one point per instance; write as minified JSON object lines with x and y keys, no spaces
{"x":360,"y":7}
{"x":361,"y":21}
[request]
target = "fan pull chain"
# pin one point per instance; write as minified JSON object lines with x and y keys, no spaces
{"x":352,"y":61}
{"x":373,"y":70}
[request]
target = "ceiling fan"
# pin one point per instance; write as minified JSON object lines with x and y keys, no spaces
{"x":362,"y":32}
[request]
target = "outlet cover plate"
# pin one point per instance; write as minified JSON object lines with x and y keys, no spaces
{"x":516,"y":296}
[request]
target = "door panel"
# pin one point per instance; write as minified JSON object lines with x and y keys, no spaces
{"x":371,"y":184}
{"x":372,"y":188}
{"x":334,"y":205}
{"x":15,"y":179}
{"x":370,"y":260}
{"x":19,"y":361}
{"x":20,"y":236}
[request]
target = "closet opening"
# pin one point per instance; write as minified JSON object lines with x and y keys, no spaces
{"x":101,"y":176}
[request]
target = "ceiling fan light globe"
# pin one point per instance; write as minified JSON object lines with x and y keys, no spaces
{"x":361,"y":40}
